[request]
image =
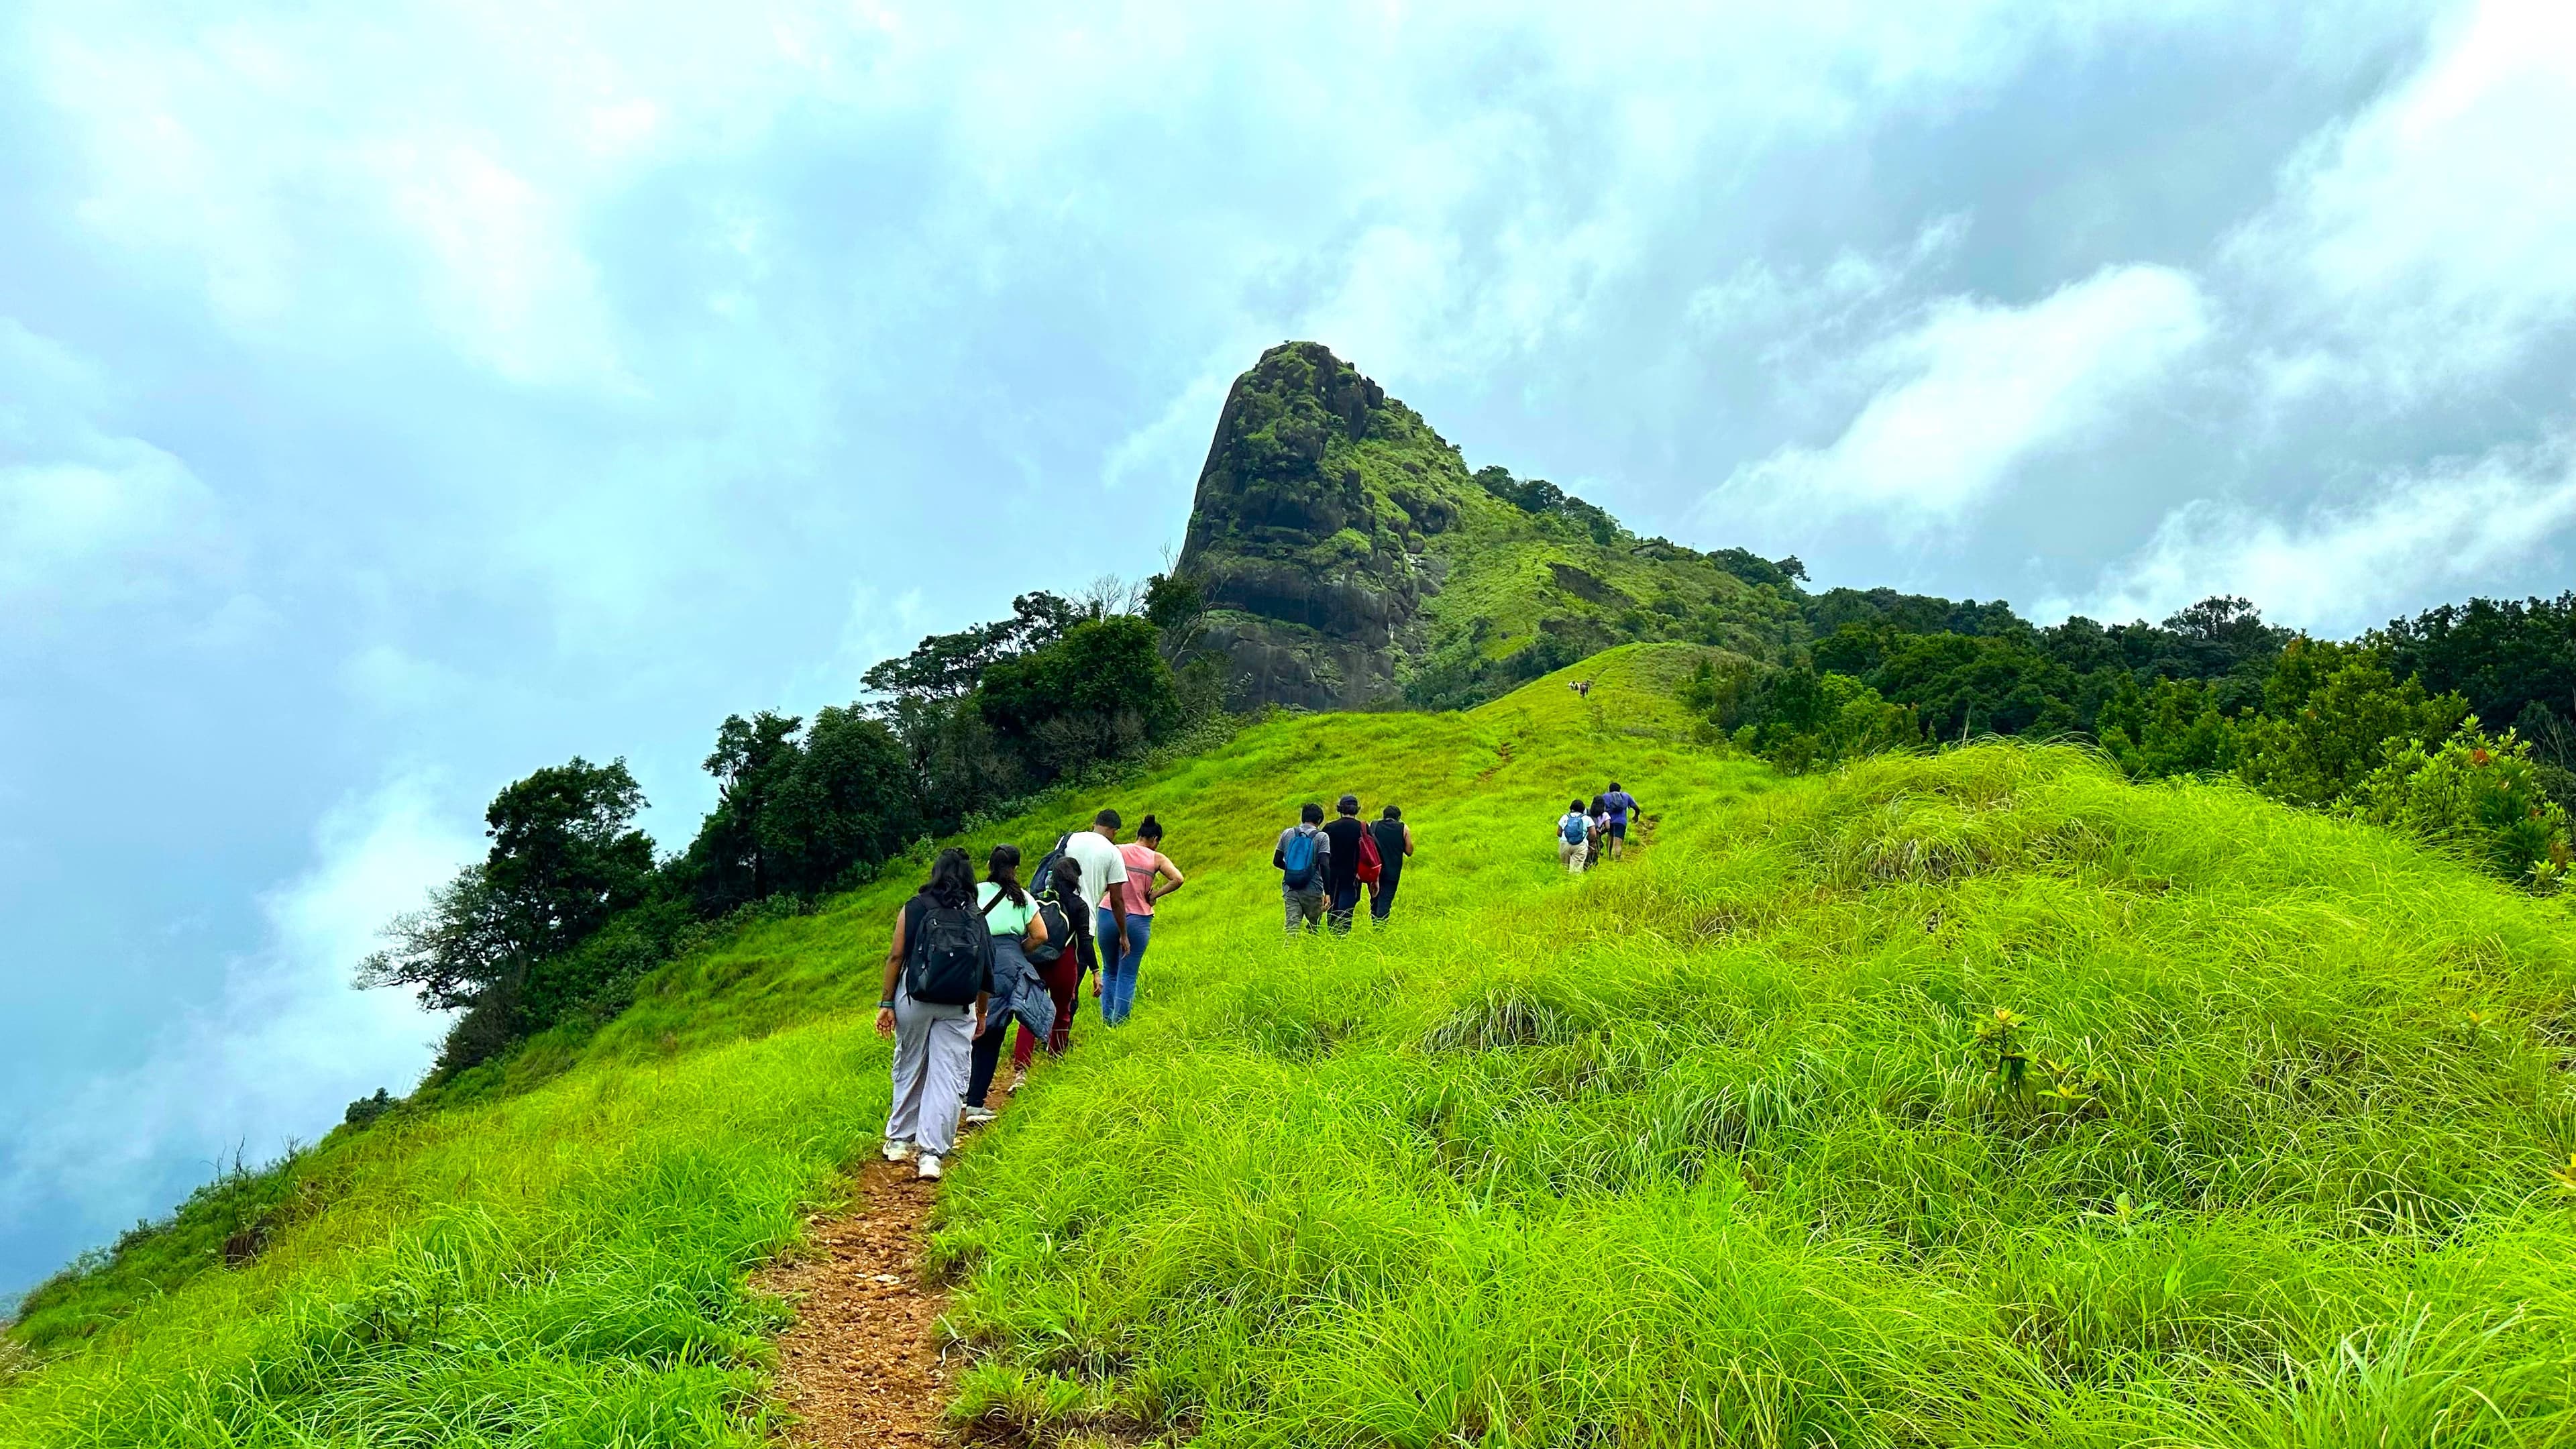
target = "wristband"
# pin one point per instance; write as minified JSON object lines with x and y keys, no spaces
{"x":886,"y":1005}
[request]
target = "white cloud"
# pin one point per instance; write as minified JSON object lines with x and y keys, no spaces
{"x":2424,"y":244}
{"x":284,"y":1048}
{"x":87,"y":514}
{"x":1974,"y":390}
{"x":2453,"y":526}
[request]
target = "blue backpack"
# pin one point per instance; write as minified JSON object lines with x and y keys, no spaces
{"x":1574,"y":828}
{"x":1298,"y":860}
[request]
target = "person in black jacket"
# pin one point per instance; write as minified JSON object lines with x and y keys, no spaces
{"x":1341,"y":868}
{"x":1394,"y":842}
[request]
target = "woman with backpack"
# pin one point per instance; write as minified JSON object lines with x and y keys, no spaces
{"x":1145,"y":861}
{"x":938,"y":982}
{"x":1061,"y":959}
{"x":1573,"y":837}
{"x":1012,"y":915}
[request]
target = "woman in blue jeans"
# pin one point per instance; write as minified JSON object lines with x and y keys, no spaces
{"x":1122,"y":943}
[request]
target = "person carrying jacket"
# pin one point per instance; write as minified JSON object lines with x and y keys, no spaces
{"x":1011,"y":914}
{"x":1342,"y":872}
{"x":1302,"y":855}
{"x":1063,"y":975}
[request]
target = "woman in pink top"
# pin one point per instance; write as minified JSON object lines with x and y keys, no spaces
{"x":1145,"y":861}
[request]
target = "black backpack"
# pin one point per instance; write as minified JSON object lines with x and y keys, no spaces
{"x":1059,"y":931}
{"x":951,"y":956}
{"x":1042,"y":880}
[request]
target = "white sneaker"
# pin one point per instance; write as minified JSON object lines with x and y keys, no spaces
{"x":978,"y":1116}
{"x":898,"y":1150}
{"x":927,"y":1166}
{"x":1019,"y":1079}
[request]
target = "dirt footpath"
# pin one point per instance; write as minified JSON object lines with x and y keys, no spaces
{"x":861,"y":1365}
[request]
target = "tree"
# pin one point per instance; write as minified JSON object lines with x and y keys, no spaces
{"x":948,"y":666}
{"x":565,"y":854}
{"x":727,"y":863}
{"x":2330,"y":712}
{"x":1099,"y":692}
{"x":845,"y":800}
{"x":451,"y":952}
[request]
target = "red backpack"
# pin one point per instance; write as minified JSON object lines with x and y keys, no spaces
{"x":1370,"y":866}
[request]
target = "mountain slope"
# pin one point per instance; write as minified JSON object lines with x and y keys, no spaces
{"x":1700,"y":1149}
{"x":1353,"y":561}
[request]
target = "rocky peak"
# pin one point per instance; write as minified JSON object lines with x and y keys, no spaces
{"x":1314,"y":509}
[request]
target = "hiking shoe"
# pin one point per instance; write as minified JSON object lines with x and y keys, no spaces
{"x":898,"y":1150}
{"x":927,"y":1166}
{"x":978,"y":1116}
{"x":1019,"y":1079}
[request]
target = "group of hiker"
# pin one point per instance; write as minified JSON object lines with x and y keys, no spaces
{"x":969,"y":959}
{"x":1324,"y":867}
{"x":1584,"y":834}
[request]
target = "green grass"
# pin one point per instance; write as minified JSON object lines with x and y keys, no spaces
{"x":1698,"y":1150}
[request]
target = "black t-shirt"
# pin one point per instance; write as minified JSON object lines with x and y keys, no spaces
{"x":1342,"y":867}
{"x":1390,"y":844}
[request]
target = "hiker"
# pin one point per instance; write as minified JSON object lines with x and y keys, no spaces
{"x":1622,"y":806}
{"x":1600,"y":814}
{"x":938,"y":984}
{"x":1394,"y":841}
{"x":1060,"y":959}
{"x":1342,"y":864}
{"x":1143,"y":860}
{"x":1011,"y":917}
{"x":1300,"y":857}
{"x":1573,"y":837}
{"x":1104,"y":886}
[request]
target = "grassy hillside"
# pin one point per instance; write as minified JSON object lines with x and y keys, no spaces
{"x":1702,"y":1149}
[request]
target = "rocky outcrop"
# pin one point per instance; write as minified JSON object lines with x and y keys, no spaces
{"x":1312,"y":530}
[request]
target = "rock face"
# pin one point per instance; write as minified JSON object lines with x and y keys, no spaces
{"x":1314,"y":530}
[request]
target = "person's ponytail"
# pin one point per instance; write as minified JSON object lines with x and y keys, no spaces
{"x":1002,"y":868}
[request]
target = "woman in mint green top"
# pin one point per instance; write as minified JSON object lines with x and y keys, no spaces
{"x":1011,"y":914}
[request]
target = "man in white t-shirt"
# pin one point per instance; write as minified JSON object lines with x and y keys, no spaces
{"x":1104,"y":881}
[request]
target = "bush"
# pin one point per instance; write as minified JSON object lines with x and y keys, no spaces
{"x":2478,"y":794}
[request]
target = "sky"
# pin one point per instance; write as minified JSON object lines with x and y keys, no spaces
{"x":397,"y":398}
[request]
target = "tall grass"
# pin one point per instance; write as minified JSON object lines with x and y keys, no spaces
{"x":1701,"y":1149}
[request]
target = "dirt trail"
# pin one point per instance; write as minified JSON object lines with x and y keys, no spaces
{"x":861,"y":1366}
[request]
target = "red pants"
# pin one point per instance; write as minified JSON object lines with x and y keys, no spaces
{"x":1062,"y":976}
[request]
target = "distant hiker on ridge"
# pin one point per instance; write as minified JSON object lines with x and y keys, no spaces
{"x":1394,"y":841}
{"x":938,"y":980}
{"x":1300,"y":857}
{"x":1342,"y":864}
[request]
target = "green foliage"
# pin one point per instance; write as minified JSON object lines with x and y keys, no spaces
{"x":228,"y":1220}
{"x":2475,"y":793}
{"x":1796,"y":718}
{"x":565,"y":853}
{"x":1101,"y":691}
{"x":2168,"y":728}
{"x":2329,"y":712}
